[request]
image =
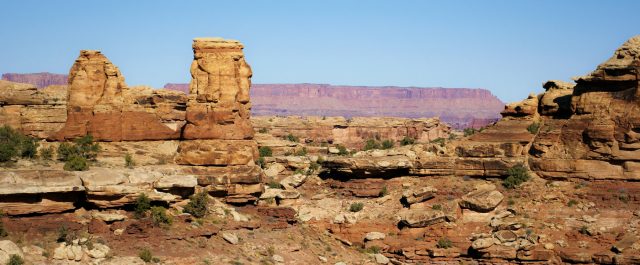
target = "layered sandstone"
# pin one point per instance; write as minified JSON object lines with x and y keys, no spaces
{"x":101,"y":104}
{"x":353,"y":132}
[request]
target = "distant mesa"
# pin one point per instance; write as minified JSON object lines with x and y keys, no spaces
{"x":459,"y":107}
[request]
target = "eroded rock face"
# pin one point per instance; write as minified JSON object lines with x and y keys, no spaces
{"x":218,"y":106}
{"x":101,"y":104}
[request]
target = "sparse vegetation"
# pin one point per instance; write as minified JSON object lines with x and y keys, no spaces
{"x":387,"y":144}
{"x":407,"y":141}
{"x":301,"y":152}
{"x":47,"y":153}
{"x":15,"y":260}
{"x":436,"y":207}
{"x":383,"y":192}
{"x":146,"y":256}
{"x":15,"y":144}
{"x":78,"y":154}
{"x":64,"y":235}
{"x":371,"y":144}
{"x":198,"y":204}
{"x":516,"y":175}
{"x":356,"y":207}
{"x":292,"y":138}
{"x":342,"y":150}
{"x":3,"y":231}
{"x":263,"y":130}
{"x":533,"y":127}
{"x":440,"y":141}
{"x":265,"y":151}
{"x":261,"y":162}
{"x":444,"y":243}
{"x":128,"y":161}
{"x":469,"y":131}
{"x":584,"y":230}
{"x":160,"y":217}
{"x":373,"y":250}
{"x":142,"y":205}
{"x":274,"y":184}
{"x":572,"y":203}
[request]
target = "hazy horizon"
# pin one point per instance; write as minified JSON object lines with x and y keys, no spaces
{"x":507,"y":47}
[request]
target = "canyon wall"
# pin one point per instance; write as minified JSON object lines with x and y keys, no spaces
{"x":460,"y":107}
{"x":40,"y":80}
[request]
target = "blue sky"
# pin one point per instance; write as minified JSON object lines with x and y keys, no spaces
{"x":508,"y":47}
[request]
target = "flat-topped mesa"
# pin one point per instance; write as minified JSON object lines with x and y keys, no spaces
{"x":218,"y":106}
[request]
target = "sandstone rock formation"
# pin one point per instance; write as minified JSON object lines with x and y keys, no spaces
{"x":40,"y":80}
{"x":101,"y":104}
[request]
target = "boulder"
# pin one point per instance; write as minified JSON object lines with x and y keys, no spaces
{"x":412,"y":196}
{"x":8,"y":248}
{"x":484,"y":199}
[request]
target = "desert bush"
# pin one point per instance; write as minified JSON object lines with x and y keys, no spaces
{"x":371,"y":144}
{"x":15,"y":144}
{"x":572,"y":203}
{"x":356,"y":207}
{"x":159,"y":216}
{"x":440,"y":141}
{"x":387,"y":144}
{"x":263,"y":130}
{"x":407,"y":141}
{"x":265,"y":151}
{"x":142,"y":205}
{"x":76,"y":163}
{"x":15,"y":260}
{"x":342,"y":150}
{"x":469,"y":131}
{"x":146,"y":256}
{"x":274,"y":184}
{"x":533,"y":127}
{"x":301,"y":152}
{"x":292,"y":138}
{"x":516,"y":175}
{"x":198,"y":204}
{"x":583,"y":230}
{"x":261,"y":162}
{"x":47,"y":153}
{"x":444,"y":243}
{"x":128,"y":161}
{"x":436,"y":207}
{"x":83,"y":147}
{"x":383,"y":192}
{"x":3,"y":231}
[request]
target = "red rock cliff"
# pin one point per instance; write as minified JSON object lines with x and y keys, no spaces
{"x":40,"y":80}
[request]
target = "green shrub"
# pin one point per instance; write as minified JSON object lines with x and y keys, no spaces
{"x":440,"y":141}
{"x":387,"y":144}
{"x":583,"y":230}
{"x":436,"y":207}
{"x":63,"y":235}
{"x":265,"y":151}
{"x":383,"y":192}
{"x":469,"y":131}
{"x":517,"y":175}
{"x":356,"y":207}
{"x":142,"y":205}
{"x":3,"y":231}
{"x":263,"y":130}
{"x":47,"y":153}
{"x":261,"y":162}
{"x":76,"y":163}
{"x":198,"y":204}
{"x":373,"y":250}
{"x":371,"y":144}
{"x":274,"y":184}
{"x":533,"y":128}
{"x":407,"y":141}
{"x":14,"y":144}
{"x":292,"y":138}
{"x":301,"y":152}
{"x":146,"y":256}
{"x":15,"y":260}
{"x":128,"y":161}
{"x":342,"y":150}
{"x":83,"y":147}
{"x":159,"y":216}
{"x":444,"y":243}
{"x":572,"y":203}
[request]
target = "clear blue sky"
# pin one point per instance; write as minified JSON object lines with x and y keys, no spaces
{"x":509,"y":47}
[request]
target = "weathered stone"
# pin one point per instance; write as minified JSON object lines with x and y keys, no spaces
{"x":412,"y":196}
{"x":484,"y":199}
